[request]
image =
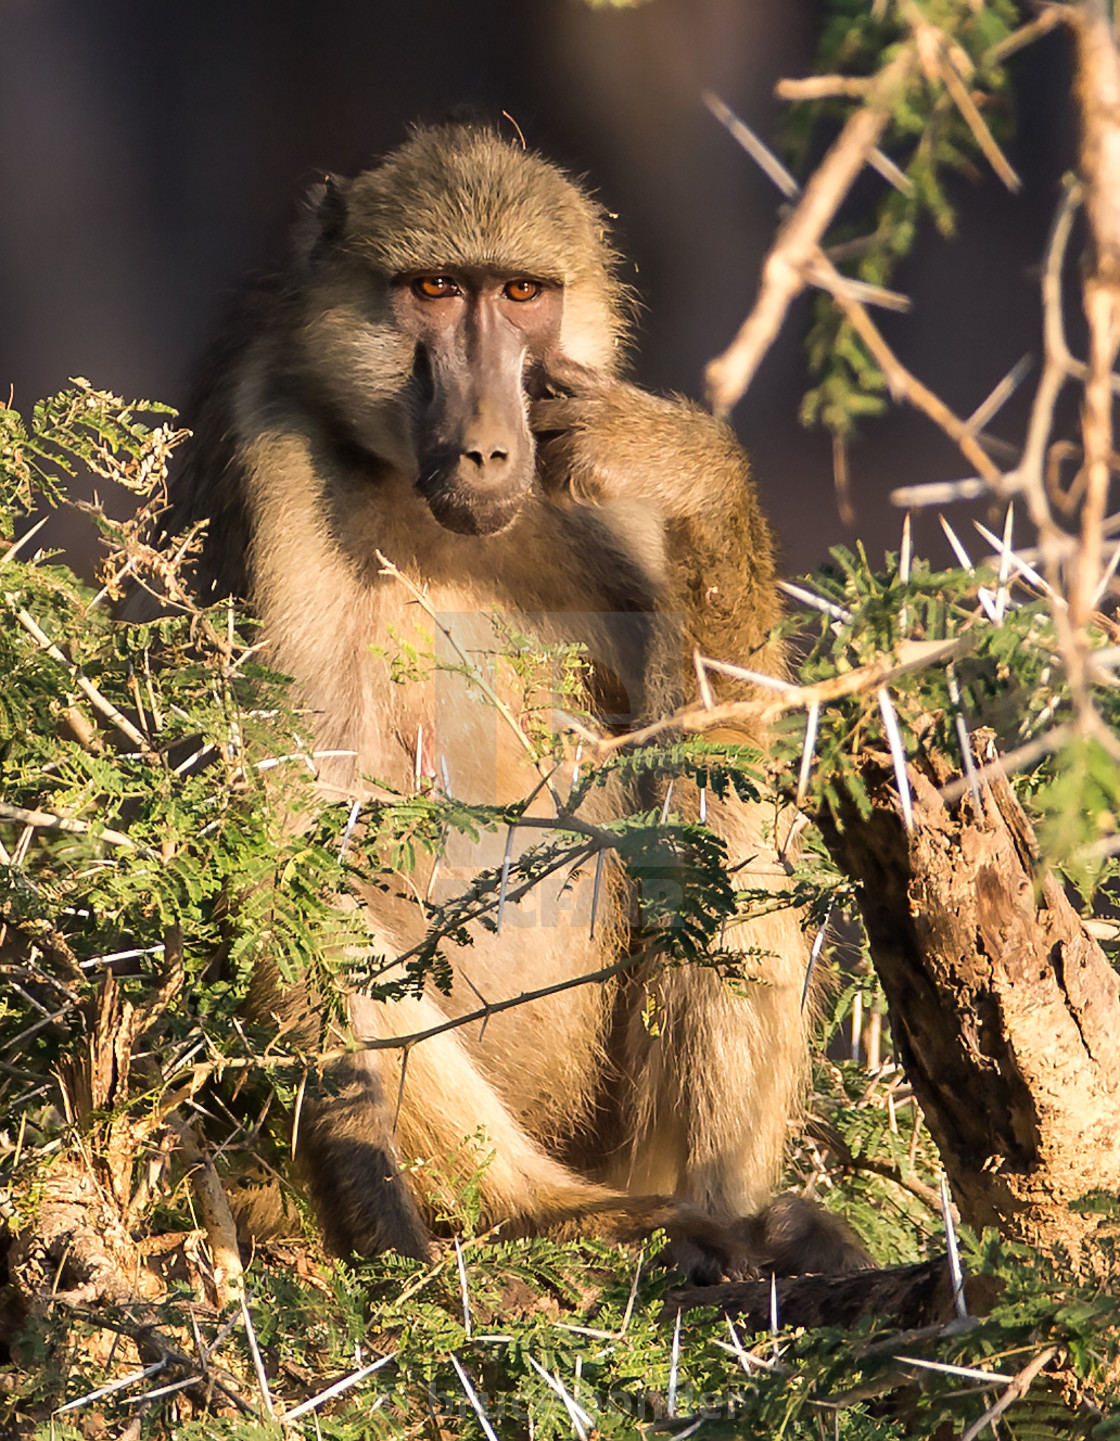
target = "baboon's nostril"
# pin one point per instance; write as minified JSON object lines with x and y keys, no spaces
{"x":482,"y":458}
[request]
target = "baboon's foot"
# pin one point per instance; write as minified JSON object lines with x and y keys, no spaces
{"x":796,"y":1237}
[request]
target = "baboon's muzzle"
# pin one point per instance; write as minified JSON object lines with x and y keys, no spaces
{"x":474,"y":448}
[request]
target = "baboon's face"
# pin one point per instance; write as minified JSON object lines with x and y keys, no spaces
{"x":481,"y":337}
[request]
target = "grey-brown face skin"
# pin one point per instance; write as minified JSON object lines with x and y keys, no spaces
{"x":481,"y":338}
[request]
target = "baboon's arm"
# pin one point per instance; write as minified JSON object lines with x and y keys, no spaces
{"x":602,"y":441}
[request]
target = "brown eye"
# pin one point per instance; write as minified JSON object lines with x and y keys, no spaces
{"x":522,"y":289}
{"x":434,"y":287}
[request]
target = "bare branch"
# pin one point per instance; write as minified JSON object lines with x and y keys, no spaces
{"x":823,"y":87}
{"x":1051,"y":17}
{"x":221,"y":1231}
{"x":1005,"y":765}
{"x":1098,"y":89}
{"x":100,"y":702}
{"x":1014,"y":1392}
{"x":909,"y":656}
{"x":783,"y":275}
{"x":1057,"y":366}
{"x":903,"y":384}
{"x":47,"y":821}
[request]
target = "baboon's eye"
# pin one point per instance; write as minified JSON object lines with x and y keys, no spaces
{"x":434,"y":287}
{"x":522,"y":289}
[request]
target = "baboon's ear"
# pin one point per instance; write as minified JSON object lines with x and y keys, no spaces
{"x":323,"y":217}
{"x":331,"y":209}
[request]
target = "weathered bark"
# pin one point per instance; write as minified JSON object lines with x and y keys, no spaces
{"x":1004,"y":1012}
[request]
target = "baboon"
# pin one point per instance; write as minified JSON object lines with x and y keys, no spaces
{"x":435,"y":379}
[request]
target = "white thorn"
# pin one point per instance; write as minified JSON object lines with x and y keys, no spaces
{"x":472,"y":1397}
{"x":759,"y":152}
{"x":898,"y":755}
{"x":348,"y":828}
{"x":463,"y":1287}
{"x":1110,"y":571}
{"x":905,"y":553}
{"x":774,"y":1326}
{"x":812,"y":724}
{"x":955,"y":1271}
{"x":958,"y":549}
{"x":1028,"y":572}
{"x":808,"y":598}
{"x":505,"y":878}
{"x":581,"y":1421}
{"x":939,"y":492}
{"x":815,"y":955}
{"x":1004,"y":564}
{"x":707,"y":699}
{"x":674,"y":1368}
{"x":962,"y":735}
{"x":599,"y":863}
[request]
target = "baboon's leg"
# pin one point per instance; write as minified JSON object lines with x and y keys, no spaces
{"x":716,"y":1079}
{"x":352,"y":1150}
{"x":446,"y":1099}
{"x":349,"y":1153}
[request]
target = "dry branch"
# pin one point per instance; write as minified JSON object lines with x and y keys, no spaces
{"x":1098,"y":89}
{"x":221,"y":1230}
{"x":902,"y":383}
{"x":798,"y":241}
{"x":919,"y":1295}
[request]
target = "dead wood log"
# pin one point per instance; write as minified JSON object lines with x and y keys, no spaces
{"x":1004,"y":1011}
{"x":903,"y":1296}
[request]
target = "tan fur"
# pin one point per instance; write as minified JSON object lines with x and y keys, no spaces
{"x":642,"y":538}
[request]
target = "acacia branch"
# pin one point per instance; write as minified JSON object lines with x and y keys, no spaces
{"x":1015,"y":1392}
{"x":783,"y":273}
{"x":1098,"y":91}
{"x":46,"y":820}
{"x":903,"y":383}
{"x":84,"y":684}
{"x":910,"y":656}
{"x":278,"y":1060}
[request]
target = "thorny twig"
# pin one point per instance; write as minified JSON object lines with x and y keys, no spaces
{"x":1018,"y":1388}
{"x":1074,"y":568}
{"x":279,"y":1060}
{"x":784,"y":272}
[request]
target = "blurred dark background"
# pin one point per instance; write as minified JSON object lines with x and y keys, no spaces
{"x":150,"y":156}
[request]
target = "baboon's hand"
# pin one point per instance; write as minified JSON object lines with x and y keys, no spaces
{"x":565,"y":411}
{"x":791,"y":1237}
{"x":588,"y":427}
{"x":601,"y":440}
{"x":707,"y":1260}
{"x":559,"y":378}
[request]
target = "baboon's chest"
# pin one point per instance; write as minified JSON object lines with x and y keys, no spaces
{"x":473,"y":693}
